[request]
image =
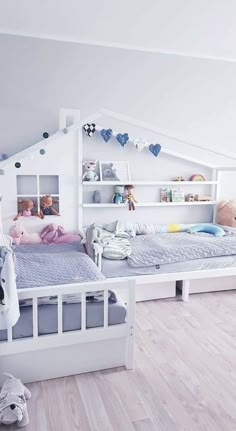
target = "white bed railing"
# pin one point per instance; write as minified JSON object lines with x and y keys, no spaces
{"x":61,"y":338}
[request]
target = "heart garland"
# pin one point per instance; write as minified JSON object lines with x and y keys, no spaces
{"x":106,"y":134}
{"x":122,"y":139}
{"x":139,"y":143}
{"x":89,"y":129}
{"x":155,"y":149}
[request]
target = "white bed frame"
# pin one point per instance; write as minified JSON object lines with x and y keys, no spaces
{"x":66,"y":353}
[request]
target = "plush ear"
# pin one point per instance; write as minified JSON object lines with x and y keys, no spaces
{"x":222,"y":204}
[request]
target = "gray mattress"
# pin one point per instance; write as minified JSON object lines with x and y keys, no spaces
{"x":120,"y":268}
{"x":47,"y":318}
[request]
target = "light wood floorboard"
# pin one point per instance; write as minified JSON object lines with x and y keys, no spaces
{"x":184,"y":377}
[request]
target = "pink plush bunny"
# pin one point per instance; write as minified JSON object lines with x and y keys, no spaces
{"x":53,"y":233}
{"x":21,"y":236}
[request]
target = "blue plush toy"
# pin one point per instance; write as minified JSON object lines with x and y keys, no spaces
{"x":207,"y":228}
{"x":118,"y":197}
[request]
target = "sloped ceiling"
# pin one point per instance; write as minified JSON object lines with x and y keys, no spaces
{"x":203,"y":28}
{"x":170,"y":63}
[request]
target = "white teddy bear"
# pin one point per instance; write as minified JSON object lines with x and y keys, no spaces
{"x":90,"y":171}
{"x":13,"y":407}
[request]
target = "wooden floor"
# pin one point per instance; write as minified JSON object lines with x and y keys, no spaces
{"x":184,"y":378}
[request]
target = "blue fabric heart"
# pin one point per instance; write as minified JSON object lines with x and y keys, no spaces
{"x":122,"y":139}
{"x":106,"y":134}
{"x":155,"y":149}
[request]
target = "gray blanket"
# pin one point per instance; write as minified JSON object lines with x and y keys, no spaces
{"x":164,"y":248}
{"x":44,"y":265}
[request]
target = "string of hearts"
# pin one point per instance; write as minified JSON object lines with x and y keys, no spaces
{"x":122,"y":138}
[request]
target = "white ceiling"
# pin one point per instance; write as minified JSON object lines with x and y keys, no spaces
{"x":198,"y":28}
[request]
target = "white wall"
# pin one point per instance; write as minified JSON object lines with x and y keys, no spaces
{"x":191,"y":98}
{"x":60,"y":159}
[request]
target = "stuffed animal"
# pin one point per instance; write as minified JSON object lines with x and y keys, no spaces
{"x":56,"y":234}
{"x":118,"y":197}
{"x":129,"y":197}
{"x":21,"y":236}
{"x":90,"y":171}
{"x":109,"y":173}
{"x":226,"y":213}
{"x":46,"y":208}
{"x":27,"y":206}
{"x":13,"y":406}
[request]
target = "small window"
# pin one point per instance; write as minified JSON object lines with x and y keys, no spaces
{"x":34,"y":187}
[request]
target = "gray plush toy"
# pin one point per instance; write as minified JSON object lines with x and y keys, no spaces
{"x":13,"y":407}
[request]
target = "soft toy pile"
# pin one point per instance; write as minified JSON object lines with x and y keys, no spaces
{"x":52,"y":233}
{"x":13,"y":407}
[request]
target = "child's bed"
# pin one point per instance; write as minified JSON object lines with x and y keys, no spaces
{"x":166,"y":258}
{"x":71,"y":317}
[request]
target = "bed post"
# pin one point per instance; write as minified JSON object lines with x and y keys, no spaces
{"x":129,"y":360}
{"x":185,"y":290}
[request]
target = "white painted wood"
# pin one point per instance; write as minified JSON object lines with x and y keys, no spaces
{"x":83,"y":311}
{"x":105,"y":299}
{"x":185,"y":290}
{"x":35,"y":316}
{"x":149,"y":204}
{"x":149,"y":183}
{"x":107,"y":345}
{"x":59,"y":314}
{"x":79,"y":178}
{"x":212,"y":285}
{"x":9,"y":335}
{"x":131,"y":325}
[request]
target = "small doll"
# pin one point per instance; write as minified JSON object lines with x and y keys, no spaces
{"x":27,"y":207}
{"x":129,"y":197}
{"x":46,"y":203}
{"x":118,"y":197}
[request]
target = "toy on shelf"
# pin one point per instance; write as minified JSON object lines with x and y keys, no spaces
{"x":129,"y":197}
{"x":197,"y":177}
{"x":202,"y":198}
{"x":177,"y":195}
{"x":97,"y":197}
{"x":90,"y":171}
{"x":46,"y":208}
{"x":27,"y":206}
{"x":118,"y":196}
{"x":178,"y":179}
{"x":226,"y":213}
{"x":165,"y":195}
{"x":190,"y":197}
{"x":13,"y":406}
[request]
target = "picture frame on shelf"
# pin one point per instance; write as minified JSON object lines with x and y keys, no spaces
{"x":114,"y":171}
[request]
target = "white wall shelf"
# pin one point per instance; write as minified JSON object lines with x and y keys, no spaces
{"x":148,"y":204}
{"x":150,"y":183}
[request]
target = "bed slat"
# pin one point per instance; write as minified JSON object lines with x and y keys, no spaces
{"x":59,"y":314}
{"x":83,"y":311}
{"x":105,"y":298}
{"x":35,"y":317}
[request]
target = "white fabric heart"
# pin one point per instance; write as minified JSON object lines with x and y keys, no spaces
{"x":139,"y":143}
